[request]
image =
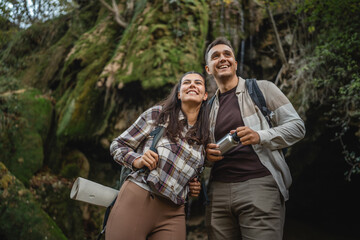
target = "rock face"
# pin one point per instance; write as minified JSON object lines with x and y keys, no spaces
{"x":21,"y":215}
{"x":26,"y":131}
{"x":70,"y":85}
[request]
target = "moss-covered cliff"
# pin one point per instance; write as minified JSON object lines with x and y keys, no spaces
{"x":69,"y":85}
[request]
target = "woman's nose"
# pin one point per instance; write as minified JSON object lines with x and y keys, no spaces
{"x":192,"y":84}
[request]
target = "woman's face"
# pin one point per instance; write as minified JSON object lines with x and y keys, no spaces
{"x":192,"y":89}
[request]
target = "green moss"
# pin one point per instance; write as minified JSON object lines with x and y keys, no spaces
{"x":81,"y":109}
{"x":160,"y":45}
{"x":75,"y":164}
{"x":53,"y":193}
{"x":24,"y":132}
{"x":21,"y":217}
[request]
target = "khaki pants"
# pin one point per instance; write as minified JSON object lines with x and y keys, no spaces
{"x":138,"y":215}
{"x":248,"y":210}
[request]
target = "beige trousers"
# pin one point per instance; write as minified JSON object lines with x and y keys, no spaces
{"x":249,"y":210}
{"x":138,"y":215}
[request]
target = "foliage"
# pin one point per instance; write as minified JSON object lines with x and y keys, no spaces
{"x":26,"y":13}
{"x":334,"y":64}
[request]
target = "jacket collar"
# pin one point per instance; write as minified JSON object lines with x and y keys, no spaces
{"x":240,"y":88}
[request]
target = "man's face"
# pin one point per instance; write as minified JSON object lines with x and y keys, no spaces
{"x":221,"y":62}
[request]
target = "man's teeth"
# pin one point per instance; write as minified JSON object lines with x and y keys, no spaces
{"x":221,"y":67}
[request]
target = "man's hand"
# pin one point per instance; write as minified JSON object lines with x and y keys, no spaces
{"x":194,"y":187}
{"x":247,"y":135}
{"x":213,"y":153}
{"x":149,"y":160}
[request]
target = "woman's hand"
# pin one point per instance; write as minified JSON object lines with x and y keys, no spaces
{"x":194,"y":187}
{"x":149,"y":160}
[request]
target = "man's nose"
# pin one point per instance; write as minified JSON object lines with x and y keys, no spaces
{"x":222,"y":57}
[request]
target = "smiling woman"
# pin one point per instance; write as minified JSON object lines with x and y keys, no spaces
{"x":192,"y":92}
{"x":160,"y":181}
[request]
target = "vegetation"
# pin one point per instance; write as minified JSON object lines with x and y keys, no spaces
{"x":334,"y":68}
{"x":75,"y":74}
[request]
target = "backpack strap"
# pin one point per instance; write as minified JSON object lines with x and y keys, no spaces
{"x":157,"y":134}
{"x":107,"y":213}
{"x":258,"y":98}
{"x":211,"y":101}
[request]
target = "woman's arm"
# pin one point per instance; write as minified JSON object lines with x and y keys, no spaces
{"x":123,"y":148}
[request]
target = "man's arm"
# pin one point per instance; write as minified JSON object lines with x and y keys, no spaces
{"x":288,"y":127}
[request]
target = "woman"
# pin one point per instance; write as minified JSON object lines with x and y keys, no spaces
{"x":150,"y":204}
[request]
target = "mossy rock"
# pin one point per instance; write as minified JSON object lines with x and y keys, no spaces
{"x":53,"y":193}
{"x":75,"y":164}
{"x":163,"y":41}
{"x":81,"y":107}
{"x":21,"y":216}
{"x":22,"y":139}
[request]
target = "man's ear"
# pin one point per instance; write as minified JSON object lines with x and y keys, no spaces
{"x":207,"y":69}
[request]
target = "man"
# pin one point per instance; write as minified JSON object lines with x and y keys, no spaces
{"x":248,"y":185}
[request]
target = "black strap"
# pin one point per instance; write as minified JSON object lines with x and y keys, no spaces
{"x":206,"y":201}
{"x":157,"y":133}
{"x":107,"y":213}
{"x":258,"y":98}
{"x":211,"y":101}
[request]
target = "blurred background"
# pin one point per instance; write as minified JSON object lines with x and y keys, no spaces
{"x":74,"y":74}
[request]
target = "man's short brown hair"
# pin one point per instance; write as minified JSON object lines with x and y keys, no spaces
{"x":217,"y":41}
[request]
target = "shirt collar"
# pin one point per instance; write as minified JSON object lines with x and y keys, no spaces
{"x":240,"y":88}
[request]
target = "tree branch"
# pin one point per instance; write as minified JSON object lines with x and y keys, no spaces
{"x":115,"y":11}
{"x":277,"y":37}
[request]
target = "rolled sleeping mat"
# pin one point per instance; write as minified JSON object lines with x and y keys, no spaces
{"x":92,"y":192}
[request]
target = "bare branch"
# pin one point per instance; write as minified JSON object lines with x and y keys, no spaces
{"x":277,"y":37}
{"x":114,"y":10}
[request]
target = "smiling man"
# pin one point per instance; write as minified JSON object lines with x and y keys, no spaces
{"x":249,"y":184}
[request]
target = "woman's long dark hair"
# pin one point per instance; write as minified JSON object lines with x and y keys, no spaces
{"x":199,"y":133}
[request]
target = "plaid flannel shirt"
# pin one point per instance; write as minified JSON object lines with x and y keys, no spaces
{"x":178,"y":162}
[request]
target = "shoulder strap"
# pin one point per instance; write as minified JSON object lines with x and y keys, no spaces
{"x":258,"y":98}
{"x":211,"y":101}
{"x":106,"y":216}
{"x":157,"y":133}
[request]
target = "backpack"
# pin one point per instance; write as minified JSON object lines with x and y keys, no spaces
{"x":258,"y":98}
